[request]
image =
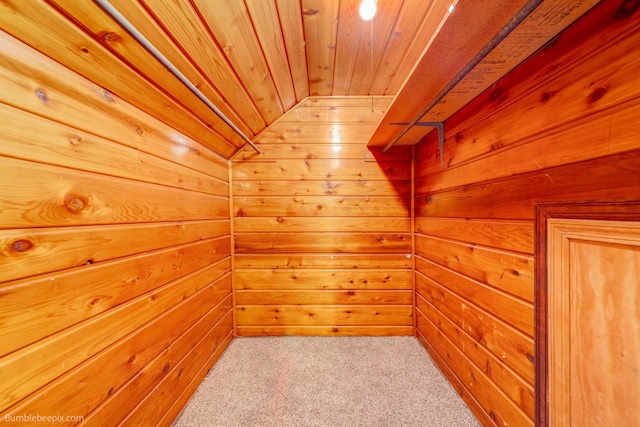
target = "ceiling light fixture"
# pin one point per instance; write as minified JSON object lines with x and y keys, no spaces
{"x":367,"y":9}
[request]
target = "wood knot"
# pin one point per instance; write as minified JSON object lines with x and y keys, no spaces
{"x":310,"y":12}
{"x":166,"y":368}
{"x":106,"y":95}
{"x":626,"y":9}
{"x":75,"y":203}
{"x":279,"y":220}
{"x":597,"y":94}
{"x":21,"y":245}
{"x":139,"y":131}
{"x":42,"y":95}
{"x":545,"y":97}
{"x":530,"y":358}
{"x":75,"y":140}
{"x":495,"y":94}
{"x":109,"y":37}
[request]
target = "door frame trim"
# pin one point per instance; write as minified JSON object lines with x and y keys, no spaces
{"x":600,"y":210}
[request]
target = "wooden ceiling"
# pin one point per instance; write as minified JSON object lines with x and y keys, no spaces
{"x":256,"y":59}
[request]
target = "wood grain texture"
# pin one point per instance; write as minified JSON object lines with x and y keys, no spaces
{"x":515,"y":236}
{"x":37,"y":307}
{"x":321,"y":223}
{"x":241,"y":47}
{"x":516,"y":389}
{"x":313,"y":279}
{"x":329,"y":187}
{"x":335,"y":224}
{"x":322,"y":206}
{"x":325,"y":331}
{"x":324,"y":242}
{"x":505,"y":271}
{"x":323,"y":261}
{"x":111,"y":370}
{"x":557,"y":129}
{"x":514,"y":349}
{"x":33,"y":138}
{"x":181,"y":23}
{"x":48,"y":89}
{"x":116,"y":40}
{"x":38,"y":24}
{"x":318,"y":315}
{"x":115,"y":246}
{"x":323,"y":297}
{"x":38,"y":195}
{"x":30,"y":252}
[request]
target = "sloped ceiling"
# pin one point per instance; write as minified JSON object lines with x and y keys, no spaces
{"x":256,"y":59}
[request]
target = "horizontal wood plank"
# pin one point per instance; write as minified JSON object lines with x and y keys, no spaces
{"x":322,"y":261}
{"x":327,"y":206}
{"x":442,"y":363}
{"x":513,"y":311}
{"x":323,"y":242}
{"x":26,"y":370}
{"x":130,"y":404}
{"x":506,"y":271}
{"x":297,"y":224}
{"x":120,"y":42}
{"x":312,"y":279}
{"x":348,"y":315}
{"x":327,"y":187}
{"x":510,"y":346}
{"x":320,"y":169}
{"x":322,"y":297}
{"x":81,"y":104}
{"x":514,"y":236}
{"x":38,"y":24}
{"x":579,"y":81}
{"x":36,"y":307}
{"x":349,"y":133}
{"x":612,"y":177}
{"x":504,"y":411}
{"x":518,"y":390}
{"x":309,"y":151}
{"x":30,"y":252}
{"x":178,"y":403}
{"x":164,"y":22}
{"x":37,"y":195}
{"x":110,"y":370}
{"x":342,"y":331}
{"x":33,"y":138}
{"x":601,"y":134}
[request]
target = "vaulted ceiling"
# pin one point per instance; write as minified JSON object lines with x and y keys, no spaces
{"x":257,"y":59}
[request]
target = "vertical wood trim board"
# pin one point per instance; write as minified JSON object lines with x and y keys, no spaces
{"x":115,"y":252}
{"x":556,"y":129}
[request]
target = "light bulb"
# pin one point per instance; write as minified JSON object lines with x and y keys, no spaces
{"x":367,"y":9}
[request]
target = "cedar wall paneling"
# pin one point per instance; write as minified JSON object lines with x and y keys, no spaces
{"x":322,"y":229}
{"x":563,"y":126}
{"x":115,"y":269}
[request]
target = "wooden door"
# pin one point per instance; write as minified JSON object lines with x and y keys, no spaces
{"x":588,"y":345}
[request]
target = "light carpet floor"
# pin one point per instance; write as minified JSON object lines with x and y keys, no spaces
{"x":325,"y":381}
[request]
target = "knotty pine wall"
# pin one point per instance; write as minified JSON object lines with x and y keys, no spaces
{"x":115,"y":270}
{"x":563,"y":126}
{"x":322,"y":226}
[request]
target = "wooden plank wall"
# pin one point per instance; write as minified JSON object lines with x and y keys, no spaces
{"x":322,"y":228}
{"x":563,"y":126}
{"x":115,"y":270}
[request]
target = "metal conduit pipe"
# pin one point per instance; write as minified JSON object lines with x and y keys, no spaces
{"x":124,"y":22}
{"x":495,"y":41}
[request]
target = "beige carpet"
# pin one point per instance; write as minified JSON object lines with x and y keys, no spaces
{"x":325,"y":381}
